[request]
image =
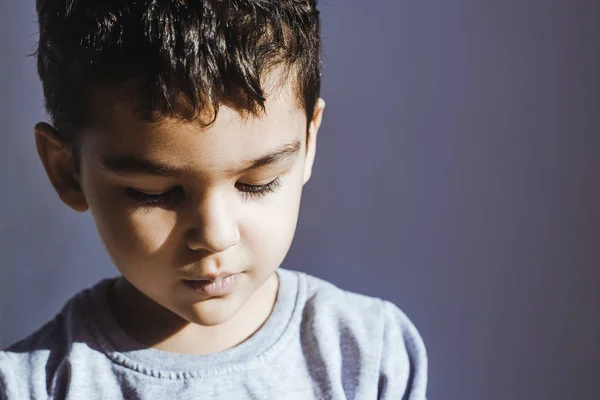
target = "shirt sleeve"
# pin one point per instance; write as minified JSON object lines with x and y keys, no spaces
{"x":403,"y":372}
{"x":8,"y":386}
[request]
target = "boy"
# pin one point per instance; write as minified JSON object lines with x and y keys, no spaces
{"x":188,"y":129}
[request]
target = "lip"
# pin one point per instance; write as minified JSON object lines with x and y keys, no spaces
{"x":212,"y":278}
{"x":213,"y":287}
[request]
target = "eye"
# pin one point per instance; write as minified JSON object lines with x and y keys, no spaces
{"x":165,"y":199}
{"x":251,"y":191}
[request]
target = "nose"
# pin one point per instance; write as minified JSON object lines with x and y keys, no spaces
{"x":215,"y":228}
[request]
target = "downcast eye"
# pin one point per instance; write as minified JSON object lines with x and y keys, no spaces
{"x":165,"y":199}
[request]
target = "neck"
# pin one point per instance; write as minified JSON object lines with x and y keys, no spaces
{"x":151,"y":324}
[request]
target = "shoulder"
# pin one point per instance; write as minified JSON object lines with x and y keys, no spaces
{"x":25,"y":361}
{"x":326,"y":300}
{"x":371,"y":331}
{"x":31,"y":365}
{"x":39,"y":343}
{"x":404,"y":363}
{"x":67,"y":326}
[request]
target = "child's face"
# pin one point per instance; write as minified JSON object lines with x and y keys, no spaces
{"x":195,"y":216}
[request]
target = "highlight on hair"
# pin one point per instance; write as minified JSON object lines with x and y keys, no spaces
{"x":177,"y":58}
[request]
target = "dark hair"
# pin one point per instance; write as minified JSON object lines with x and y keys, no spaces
{"x":182,"y":56}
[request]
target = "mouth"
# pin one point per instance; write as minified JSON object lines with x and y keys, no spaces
{"x":212,"y":277}
{"x":213,"y":286}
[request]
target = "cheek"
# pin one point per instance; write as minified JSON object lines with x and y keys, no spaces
{"x":130,"y":235}
{"x":268,"y":229}
{"x":151,"y":230}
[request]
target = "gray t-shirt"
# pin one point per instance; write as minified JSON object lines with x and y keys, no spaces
{"x":320,"y":342}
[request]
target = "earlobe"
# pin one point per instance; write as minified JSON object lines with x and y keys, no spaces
{"x":311,"y":144}
{"x":57,"y":158}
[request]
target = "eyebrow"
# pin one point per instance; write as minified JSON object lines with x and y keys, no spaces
{"x":131,"y":165}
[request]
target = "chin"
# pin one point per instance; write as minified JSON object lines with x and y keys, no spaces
{"x":213,"y":312}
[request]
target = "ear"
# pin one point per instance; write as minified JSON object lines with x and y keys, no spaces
{"x":59,"y":163}
{"x":311,"y":145}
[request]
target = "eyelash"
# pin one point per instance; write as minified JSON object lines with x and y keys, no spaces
{"x":255,"y":191}
{"x":165,"y":199}
{"x":174,"y":195}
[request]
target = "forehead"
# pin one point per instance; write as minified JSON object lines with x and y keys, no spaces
{"x":231,"y":137}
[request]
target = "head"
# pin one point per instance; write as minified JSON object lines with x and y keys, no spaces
{"x":187,"y":129}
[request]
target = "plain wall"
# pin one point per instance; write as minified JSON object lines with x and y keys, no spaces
{"x":457,"y":174}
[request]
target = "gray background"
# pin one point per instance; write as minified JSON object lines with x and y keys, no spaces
{"x":458,"y":175}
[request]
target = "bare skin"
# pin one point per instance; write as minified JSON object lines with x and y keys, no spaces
{"x":195,"y":216}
